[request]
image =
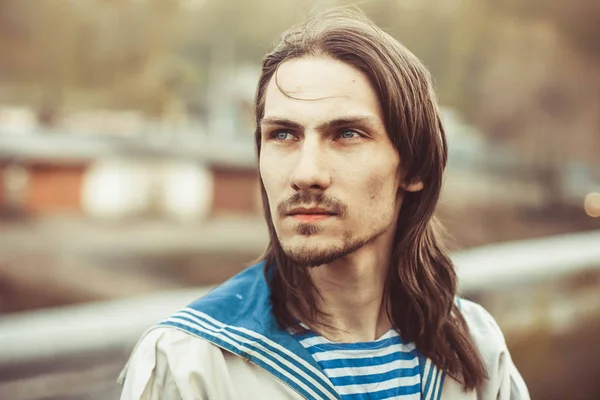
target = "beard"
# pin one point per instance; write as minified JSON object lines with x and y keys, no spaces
{"x":313,"y":256}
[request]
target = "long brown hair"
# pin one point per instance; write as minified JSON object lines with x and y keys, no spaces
{"x":421,"y":284}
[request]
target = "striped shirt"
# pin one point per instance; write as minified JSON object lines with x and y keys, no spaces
{"x":387,"y":368}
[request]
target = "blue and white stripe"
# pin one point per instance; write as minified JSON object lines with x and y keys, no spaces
{"x":260,"y":350}
{"x":384,"y":369}
{"x":433,"y":380}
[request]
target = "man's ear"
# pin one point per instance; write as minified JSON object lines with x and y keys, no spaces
{"x":413,"y":187}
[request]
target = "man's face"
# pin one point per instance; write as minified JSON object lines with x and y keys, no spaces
{"x":329,"y":169}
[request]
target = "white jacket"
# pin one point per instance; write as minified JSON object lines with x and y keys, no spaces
{"x":227,"y":346}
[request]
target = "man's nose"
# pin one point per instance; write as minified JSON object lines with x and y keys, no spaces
{"x":311,"y":169}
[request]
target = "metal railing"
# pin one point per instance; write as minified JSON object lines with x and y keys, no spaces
{"x":528,"y":261}
{"x":36,"y":342}
{"x":118,"y":323}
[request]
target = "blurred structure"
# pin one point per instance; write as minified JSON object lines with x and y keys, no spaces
{"x":127,"y":166}
{"x":125,"y":178}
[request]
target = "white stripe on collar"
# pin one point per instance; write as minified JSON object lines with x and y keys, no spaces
{"x":432,"y":381}
{"x":255,"y":346}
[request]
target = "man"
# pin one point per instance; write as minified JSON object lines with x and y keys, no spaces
{"x":355,"y":296}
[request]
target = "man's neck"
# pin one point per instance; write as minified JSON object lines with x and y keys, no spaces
{"x":352,"y":292}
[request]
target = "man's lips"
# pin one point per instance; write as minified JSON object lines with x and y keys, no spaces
{"x":310,"y":214}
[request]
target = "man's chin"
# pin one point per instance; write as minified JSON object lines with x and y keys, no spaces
{"x":313,"y":254}
{"x":311,"y":259}
{"x":309,"y":244}
{"x":318,"y":250}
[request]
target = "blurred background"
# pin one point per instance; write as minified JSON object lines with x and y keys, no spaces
{"x":128,"y":184}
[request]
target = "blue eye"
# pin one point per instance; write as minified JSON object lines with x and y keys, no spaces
{"x":283,"y":135}
{"x":348,"y":134}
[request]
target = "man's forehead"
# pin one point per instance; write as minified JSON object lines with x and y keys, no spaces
{"x":313,"y":81}
{"x":300,"y":78}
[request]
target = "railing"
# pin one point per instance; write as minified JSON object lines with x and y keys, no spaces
{"x":550,"y":284}
{"x":86,"y":331}
{"x":496,"y":266}
{"x":79,"y":328}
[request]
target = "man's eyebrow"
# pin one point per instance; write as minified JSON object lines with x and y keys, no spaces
{"x":346,"y":121}
{"x":282,"y":122}
{"x":334,"y":123}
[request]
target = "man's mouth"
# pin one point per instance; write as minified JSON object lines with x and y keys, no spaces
{"x":313,"y":214}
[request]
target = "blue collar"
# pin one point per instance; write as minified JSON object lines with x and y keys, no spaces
{"x":237,"y":317}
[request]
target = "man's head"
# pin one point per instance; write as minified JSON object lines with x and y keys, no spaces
{"x":330,"y":171}
{"x":347,"y":125}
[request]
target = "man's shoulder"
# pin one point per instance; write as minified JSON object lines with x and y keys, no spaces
{"x":160,"y":346}
{"x":170,"y":363}
{"x":193,"y":328}
{"x":484,"y":330}
{"x":172,"y":340}
{"x":478,"y":318}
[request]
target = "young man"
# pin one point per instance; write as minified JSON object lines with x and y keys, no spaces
{"x":355,"y":297}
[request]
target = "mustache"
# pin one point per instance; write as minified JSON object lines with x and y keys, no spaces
{"x":312,"y":199}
